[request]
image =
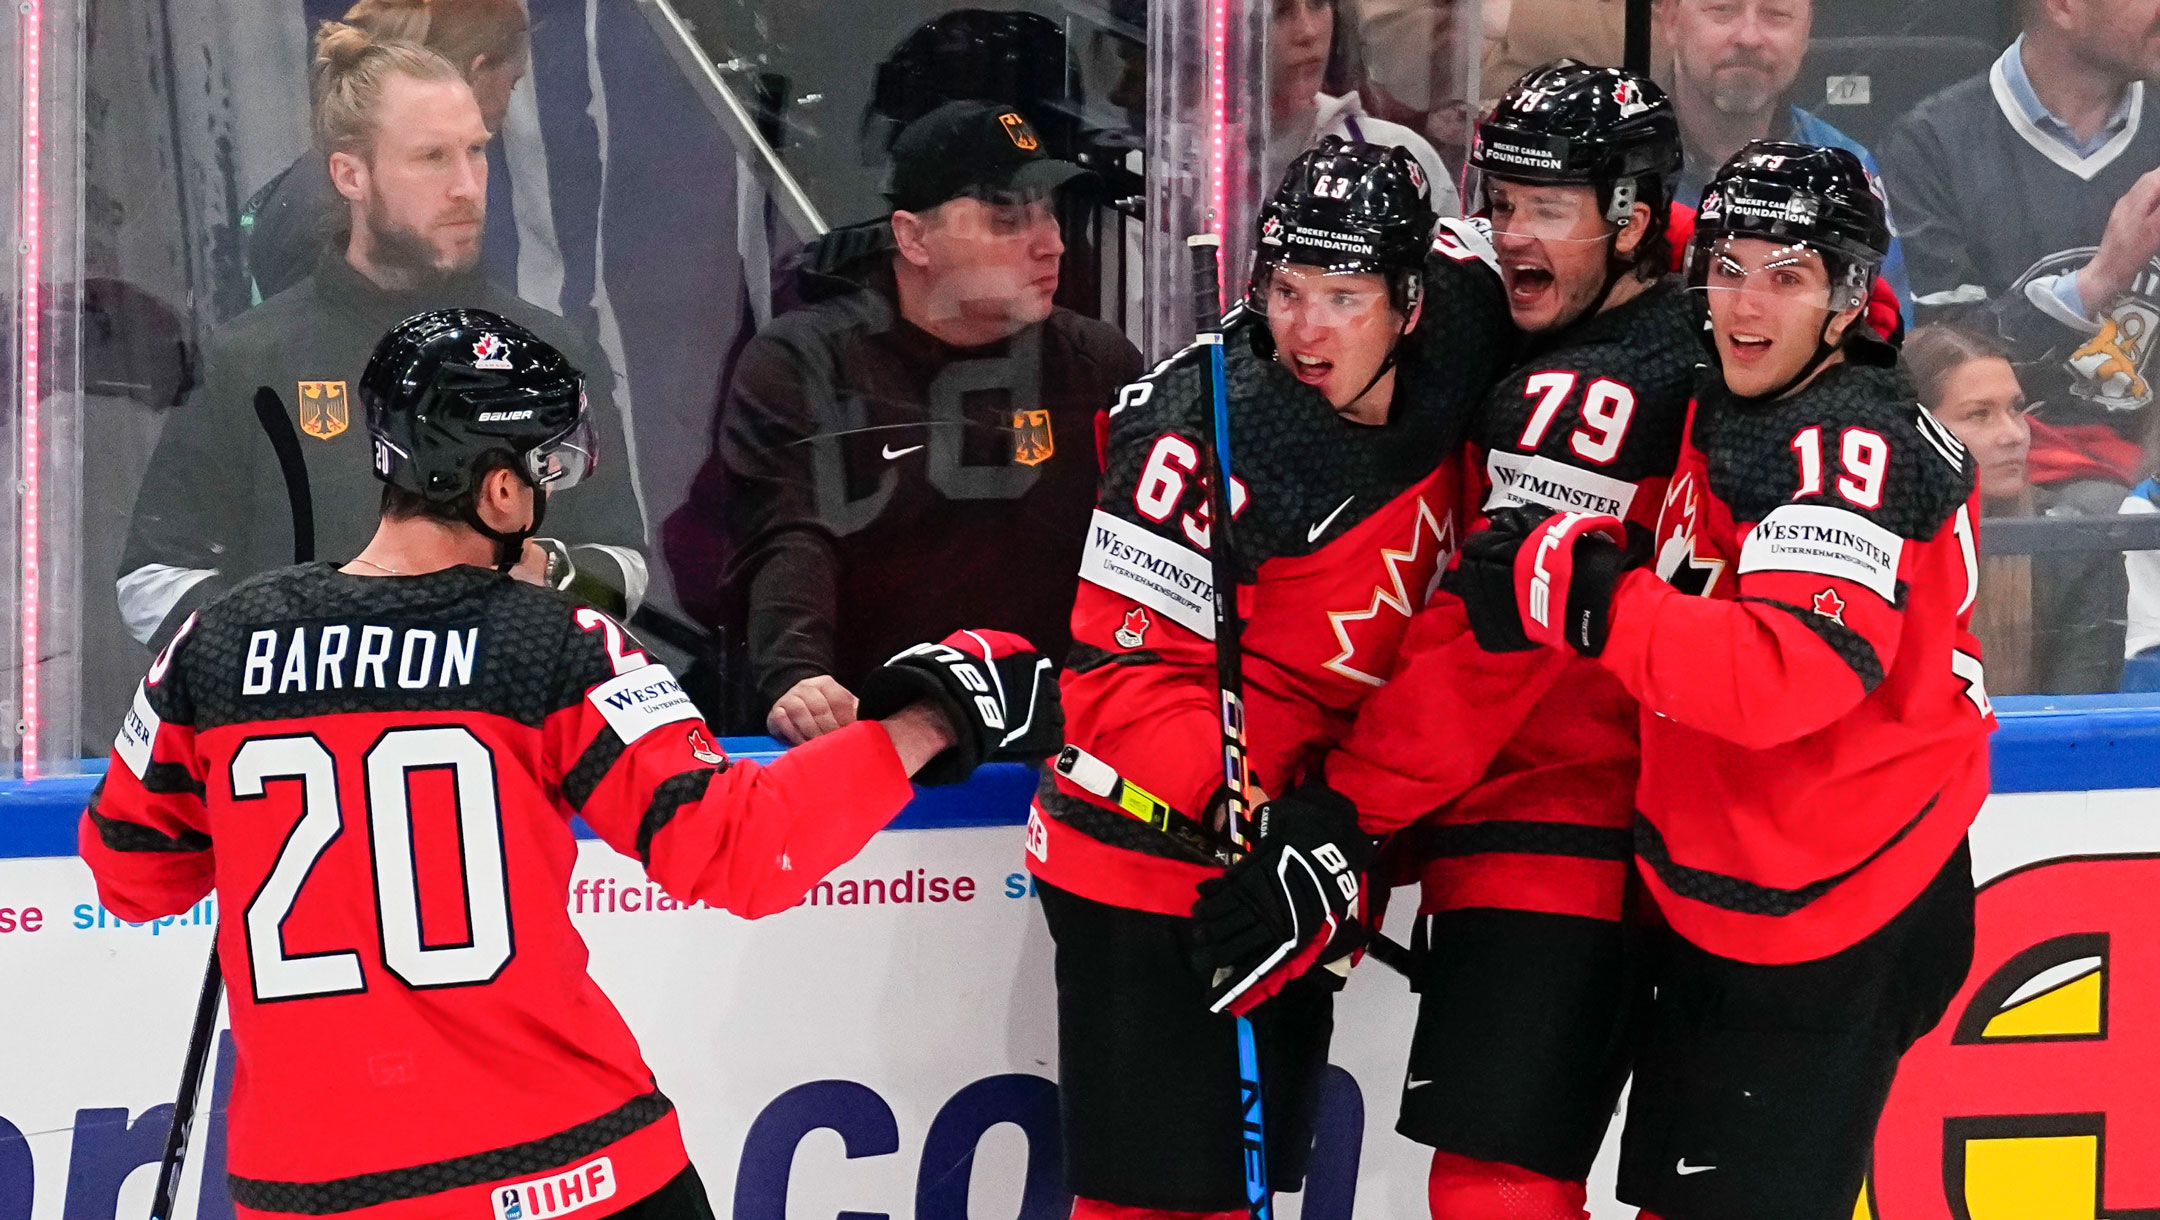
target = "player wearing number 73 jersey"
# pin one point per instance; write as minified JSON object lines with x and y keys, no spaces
{"x":377,"y":765}
{"x":1814,"y":728}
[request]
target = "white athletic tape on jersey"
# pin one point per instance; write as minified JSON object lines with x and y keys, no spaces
{"x":642,"y":700}
{"x":1171,"y":577}
{"x":1519,"y":479}
{"x":1827,"y":541}
{"x":138,"y":733}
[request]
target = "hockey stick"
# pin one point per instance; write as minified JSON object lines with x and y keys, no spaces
{"x":1229,"y":681}
{"x":1100,"y":779}
{"x":277,"y":427}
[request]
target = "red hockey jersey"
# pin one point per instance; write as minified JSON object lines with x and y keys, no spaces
{"x":1520,"y":768}
{"x":1342,"y":529}
{"x":379,"y":775}
{"x":1815,"y":723}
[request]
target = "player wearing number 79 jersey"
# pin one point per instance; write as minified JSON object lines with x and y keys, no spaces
{"x":376,"y":766}
{"x":1814,"y":729}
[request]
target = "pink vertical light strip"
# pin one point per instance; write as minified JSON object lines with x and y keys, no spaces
{"x":33,"y":247}
{"x":1218,"y":117}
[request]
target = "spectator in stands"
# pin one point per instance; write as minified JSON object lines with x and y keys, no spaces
{"x":917,"y":447}
{"x":294,"y":217}
{"x":1732,"y":64}
{"x":402,"y":134}
{"x":2027,"y":198}
{"x":1965,"y":379}
{"x":1313,"y":94}
{"x":1418,"y":70}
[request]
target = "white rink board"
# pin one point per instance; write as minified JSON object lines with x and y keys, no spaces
{"x":912,"y":1003}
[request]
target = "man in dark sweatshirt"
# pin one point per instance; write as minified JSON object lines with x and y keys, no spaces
{"x":918,"y":446}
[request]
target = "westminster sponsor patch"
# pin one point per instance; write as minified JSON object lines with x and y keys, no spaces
{"x":637,"y":702}
{"x":138,"y":733}
{"x":1167,"y":577}
{"x":1826,"y":541}
{"x":1519,"y":479}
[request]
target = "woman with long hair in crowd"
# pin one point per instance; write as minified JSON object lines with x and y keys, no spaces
{"x":1965,"y":379}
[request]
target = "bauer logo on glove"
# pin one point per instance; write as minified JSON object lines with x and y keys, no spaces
{"x":999,"y":694}
{"x":1289,"y":906}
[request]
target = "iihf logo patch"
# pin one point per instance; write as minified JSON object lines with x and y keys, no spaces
{"x":488,"y":352}
{"x":510,"y":1207}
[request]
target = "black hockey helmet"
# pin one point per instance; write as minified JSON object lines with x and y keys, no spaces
{"x":1568,"y":123}
{"x":1802,"y":195}
{"x":1352,"y":208}
{"x":453,"y":393}
{"x":1799,"y":194}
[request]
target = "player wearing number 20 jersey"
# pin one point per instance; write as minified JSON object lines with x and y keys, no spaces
{"x":386,"y":770}
{"x":378,"y":773}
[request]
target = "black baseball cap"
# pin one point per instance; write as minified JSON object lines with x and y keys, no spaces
{"x":972,"y":148}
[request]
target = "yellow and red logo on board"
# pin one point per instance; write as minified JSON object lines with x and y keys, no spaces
{"x":323,"y":410}
{"x":2035,"y":1097}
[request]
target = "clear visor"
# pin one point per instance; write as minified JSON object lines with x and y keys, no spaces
{"x":1527,"y":212}
{"x":1314,"y":296}
{"x":566,"y":461}
{"x":1789,"y":275}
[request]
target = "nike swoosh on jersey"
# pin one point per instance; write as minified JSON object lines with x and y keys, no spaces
{"x":1417,"y":1084}
{"x":1313,"y":534}
{"x":1684,"y":1169}
{"x":892,"y":454}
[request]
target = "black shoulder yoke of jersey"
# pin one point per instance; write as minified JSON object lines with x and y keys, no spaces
{"x":1648,"y":347}
{"x":310,"y":641}
{"x":1750,"y":446}
{"x":1301,"y":464}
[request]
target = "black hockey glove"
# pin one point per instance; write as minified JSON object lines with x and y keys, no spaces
{"x":999,"y":694}
{"x":1288,"y":905}
{"x":1533,"y":577}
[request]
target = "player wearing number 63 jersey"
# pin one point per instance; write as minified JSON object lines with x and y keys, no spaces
{"x":1814,"y":729}
{"x":1352,"y":369}
{"x":377,"y":765}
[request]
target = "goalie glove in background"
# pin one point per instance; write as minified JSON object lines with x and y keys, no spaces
{"x":1533,"y":577}
{"x":1288,"y":905}
{"x":997,"y":692}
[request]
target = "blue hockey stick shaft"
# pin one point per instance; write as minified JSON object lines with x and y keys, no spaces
{"x":1229,"y":681}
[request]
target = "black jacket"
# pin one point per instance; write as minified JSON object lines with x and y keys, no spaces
{"x":872,"y":486}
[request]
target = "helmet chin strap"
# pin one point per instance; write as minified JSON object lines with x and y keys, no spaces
{"x":509,"y":544}
{"x":1394,"y":346}
{"x":1824,"y":349}
{"x":1620,"y":212}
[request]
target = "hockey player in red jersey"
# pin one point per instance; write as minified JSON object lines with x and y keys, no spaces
{"x":1814,"y":727}
{"x":1519,"y":768}
{"x":377,"y":765}
{"x":1349,"y":393}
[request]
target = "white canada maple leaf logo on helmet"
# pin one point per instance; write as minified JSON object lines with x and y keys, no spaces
{"x":1630,"y":98}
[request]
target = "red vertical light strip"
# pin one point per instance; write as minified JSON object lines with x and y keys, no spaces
{"x":1218,"y":117}
{"x":33,"y":247}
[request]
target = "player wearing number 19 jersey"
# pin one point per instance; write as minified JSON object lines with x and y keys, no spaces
{"x":1814,"y":727}
{"x":377,"y":765}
